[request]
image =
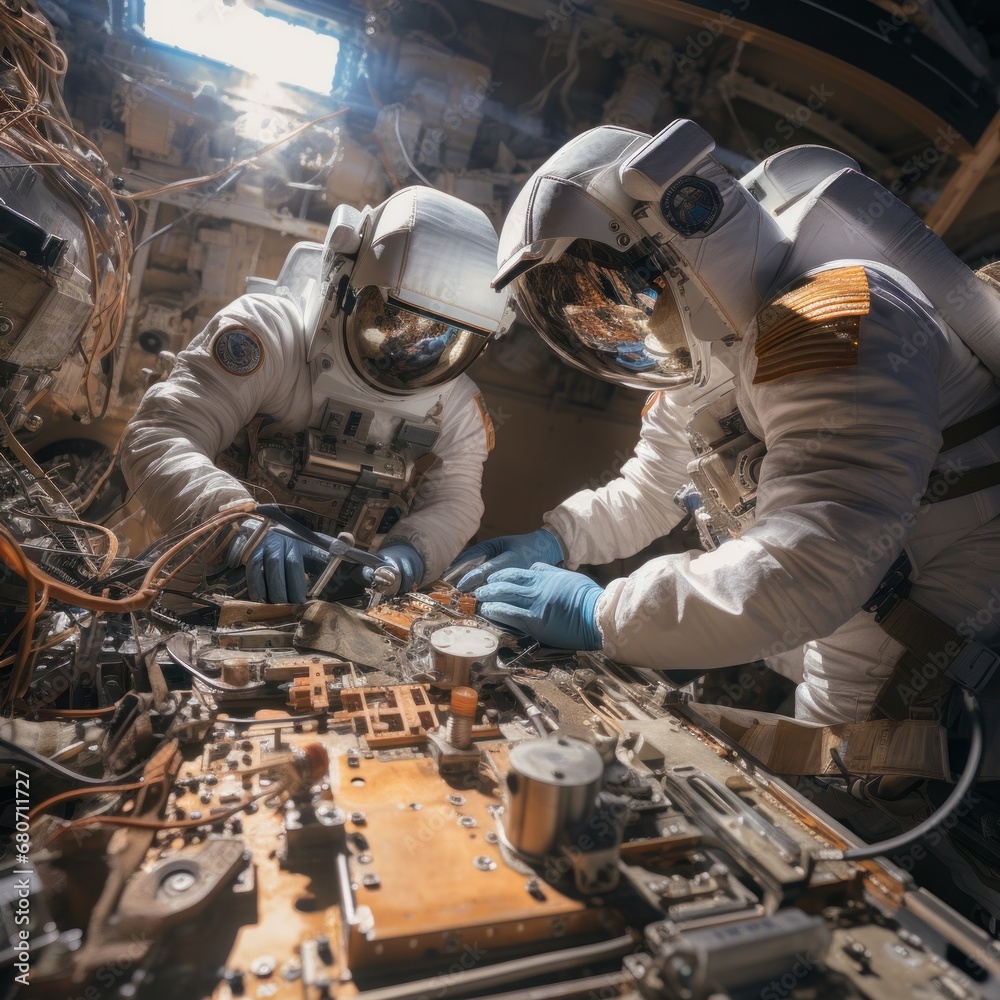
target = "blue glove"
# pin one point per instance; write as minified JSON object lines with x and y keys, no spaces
{"x":507,"y":552}
{"x":276,"y":569}
{"x":556,"y":606}
{"x":407,"y":562}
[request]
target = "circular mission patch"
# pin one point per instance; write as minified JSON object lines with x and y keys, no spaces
{"x":238,"y":351}
{"x":691,"y":205}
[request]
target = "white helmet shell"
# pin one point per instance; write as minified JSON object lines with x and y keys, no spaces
{"x":405,"y":292}
{"x":630,"y":254}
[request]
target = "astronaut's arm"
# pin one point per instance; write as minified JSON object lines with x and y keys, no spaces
{"x":849,"y":454}
{"x":448,"y":505}
{"x":636,"y":507}
{"x":182,"y":423}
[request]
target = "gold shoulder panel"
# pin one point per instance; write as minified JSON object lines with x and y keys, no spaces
{"x":813,"y":326}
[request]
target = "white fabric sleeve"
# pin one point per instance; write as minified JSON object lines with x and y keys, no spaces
{"x":448,"y":506}
{"x":623,"y":517}
{"x":848,"y":455}
{"x":182,"y":423}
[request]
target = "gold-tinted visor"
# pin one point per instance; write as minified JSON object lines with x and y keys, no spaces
{"x":397,"y":350}
{"x":616,"y":319}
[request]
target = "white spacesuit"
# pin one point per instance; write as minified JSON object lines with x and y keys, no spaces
{"x":342,"y":387}
{"x":629,"y":255}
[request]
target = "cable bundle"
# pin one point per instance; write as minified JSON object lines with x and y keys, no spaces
{"x":34,"y":126}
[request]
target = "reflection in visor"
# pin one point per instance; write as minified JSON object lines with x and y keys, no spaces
{"x":620,"y":323}
{"x":397,"y":350}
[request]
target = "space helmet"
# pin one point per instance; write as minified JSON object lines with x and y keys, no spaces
{"x":404,"y":303}
{"x":631,"y":254}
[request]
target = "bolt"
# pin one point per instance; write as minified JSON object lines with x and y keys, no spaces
{"x":262,"y":967}
{"x":177,"y":882}
{"x":484,"y":863}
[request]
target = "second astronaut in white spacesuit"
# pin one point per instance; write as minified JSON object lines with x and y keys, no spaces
{"x":339,"y":392}
{"x":633,"y":257}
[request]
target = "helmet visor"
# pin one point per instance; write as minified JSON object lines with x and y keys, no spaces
{"x":619,"y":319}
{"x":397,"y":350}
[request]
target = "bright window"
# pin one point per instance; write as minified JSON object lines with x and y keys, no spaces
{"x":272,"y":49}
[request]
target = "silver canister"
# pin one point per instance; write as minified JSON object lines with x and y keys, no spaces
{"x":551,"y":787}
{"x":456,"y":649}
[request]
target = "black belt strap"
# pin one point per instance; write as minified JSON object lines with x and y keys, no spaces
{"x":952,"y":485}
{"x":971,"y":427}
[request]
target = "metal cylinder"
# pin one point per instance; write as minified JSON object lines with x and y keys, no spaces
{"x":551,"y":786}
{"x":464,"y":704}
{"x":455,"y":649}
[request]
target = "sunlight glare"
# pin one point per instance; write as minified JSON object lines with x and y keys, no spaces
{"x":272,"y":49}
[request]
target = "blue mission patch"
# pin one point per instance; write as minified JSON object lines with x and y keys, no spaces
{"x":691,"y":205}
{"x":238,"y":351}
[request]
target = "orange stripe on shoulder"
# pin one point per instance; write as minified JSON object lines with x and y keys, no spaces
{"x":651,"y":401}
{"x":814,"y":326}
{"x":484,"y":412}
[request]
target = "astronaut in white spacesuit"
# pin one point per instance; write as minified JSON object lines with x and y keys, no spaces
{"x":840,"y":341}
{"x":339,"y":392}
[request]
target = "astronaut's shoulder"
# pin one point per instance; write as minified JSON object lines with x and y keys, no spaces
{"x":272,"y":316}
{"x":459,"y":392}
{"x":242,"y":336}
{"x":813,"y":324}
